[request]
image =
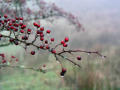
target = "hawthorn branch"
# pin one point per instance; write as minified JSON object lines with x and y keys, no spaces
{"x":89,"y":52}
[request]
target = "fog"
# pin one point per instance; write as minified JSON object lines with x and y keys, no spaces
{"x":100,"y":18}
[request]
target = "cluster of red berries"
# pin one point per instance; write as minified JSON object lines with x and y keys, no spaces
{"x":21,"y":34}
{"x":4,"y":61}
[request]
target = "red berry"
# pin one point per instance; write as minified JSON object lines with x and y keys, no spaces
{"x":5,"y":20}
{"x":12,"y":56}
{"x":38,"y":25}
{"x":11,"y":27}
{"x":16,"y":60}
{"x":41,"y":47}
{"x":0,"y":35}
{"x":13,"y":20}
{"x":24,"y":37}
{"x":15,"y":29}
{"x":2,"y":22}
{"x":22,"y":31}
{"x":4,"y":61}
{"x":28,"y":31}
{"x":2,"y":55}
{"x":65,"y":45}
{"x":10,"y":24}
{"x":32,"y":52}
{"x":66,"y":39}
{"x":20,"y":24}
{"x":53,"y":51}
{"x":23,"y":26}
{"x":64,"y":70}
{"x":17,"y":18}
{"x":52,"y":39}
{"x":48,"y":31}
{"x":42,"y":28}
{"x":42,"y":38}
{"x":21,"y":18}
{"x":79,"y":58}
{"x":41,"y":35}
{"x":5,"y":16}
{"x":35,"y":24}
{"x":11,"y":40}
{"x":47,"y":47}
{"x":62,"y":42}
{"x":38,"y":31}
{"x":8,"y":29}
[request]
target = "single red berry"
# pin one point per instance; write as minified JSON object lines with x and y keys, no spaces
{"x":66,"y":39}
{"x":13,"y":20}
{"x":35,"y":24}
{"x":11,"y":27}
{"x":4,"y":61}
{"x":11,"y":40}
{"x":65,"y":45}
{"x":53,"y":51}
{"x":41,"y":47}
{"x":5,"y":16}
{"x":32,"y":52}
{"x":23,"y":26}
{"x":2,"y":22}
{"x":63,"y":72}
{"x":52,"y":39}
{"x":21,"y":18}
{"x":47,"y":47}
{"x":16,"y":60}
{"x":38,"y":31}
{"x":22,"y":31}
{"x":42,"y":38}
{"x":42,"y":28}
{"x":79,"y":58}
{"x":0,"y":35}
{"x":15,"y":29}
{"x":12,"y":56}
{"x":48,"y":31}
{"x":8,"y":19}
{"x":62,"y":42}
{"x":17,"y":18}
{"x":41,"y":35}
{"x":10,"y":24}
{"x":8,"y":29}
{"x":20,"y":24}
{"x":28,"y":31}
{"x":2,"y":55}
{"x":5,"y":20}
{"x":38,"y":25}
{"x":16,"y":25}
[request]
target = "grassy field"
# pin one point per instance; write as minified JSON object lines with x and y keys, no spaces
{"x":95,"y":74}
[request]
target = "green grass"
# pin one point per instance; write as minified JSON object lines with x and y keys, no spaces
{"x":32,"y":81}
